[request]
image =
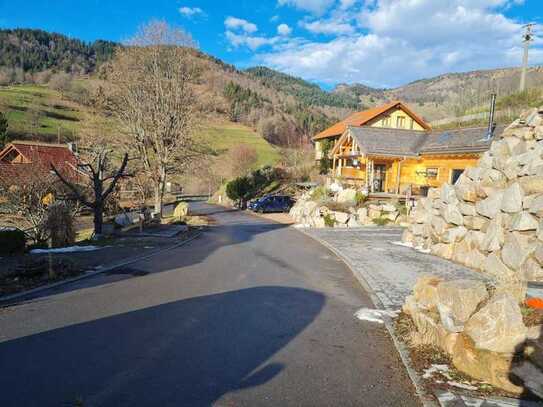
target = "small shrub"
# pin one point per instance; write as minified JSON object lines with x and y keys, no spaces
{"x":12,"y":241}
{"x":381,"y":221}
{"x":60,"y":225}
{"x":329,"y":221}
{"x":319,"y":194}
{"x":360,"y":198}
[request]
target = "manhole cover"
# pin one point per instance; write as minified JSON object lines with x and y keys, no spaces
{"x":128,"y":271}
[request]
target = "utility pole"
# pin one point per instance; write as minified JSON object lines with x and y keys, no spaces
{"x":527,"y":37}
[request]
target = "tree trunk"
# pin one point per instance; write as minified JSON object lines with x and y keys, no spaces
{"x":158,"y":201}
{"x":98,"y":221}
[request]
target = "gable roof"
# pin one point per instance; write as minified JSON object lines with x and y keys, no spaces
{"x":362,"y":118}
{"x":413,"y":143}
{"x":41,"y":155}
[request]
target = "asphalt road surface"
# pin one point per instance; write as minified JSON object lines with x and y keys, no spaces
{"x":251,"y":313}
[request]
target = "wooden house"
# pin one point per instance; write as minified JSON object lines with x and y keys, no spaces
{"x":391,"y":161}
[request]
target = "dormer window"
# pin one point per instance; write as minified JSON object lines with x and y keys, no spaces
{"x":400,"y":122}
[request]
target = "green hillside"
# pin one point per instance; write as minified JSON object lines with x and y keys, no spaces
{"x":222,"y":137}
{"x":39,"y":113}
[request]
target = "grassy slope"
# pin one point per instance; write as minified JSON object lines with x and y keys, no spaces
{"x":24,"y":102}
{"x":21,"y":102}
{"x":224,"y":136}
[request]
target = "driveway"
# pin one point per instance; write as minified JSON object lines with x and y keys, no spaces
{"x":390,"y":269}
{"x":251,"y":313}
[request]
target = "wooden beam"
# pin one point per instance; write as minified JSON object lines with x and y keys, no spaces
{"x":398,"y":176}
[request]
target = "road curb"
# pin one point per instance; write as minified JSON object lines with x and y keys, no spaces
{"x":8,"y":299}
{"x":404,"y":355}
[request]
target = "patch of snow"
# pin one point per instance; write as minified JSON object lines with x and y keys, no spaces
{"x":404,"y":244}
{"x":374,"y":315}
{"x":441,"y":369}
{"x":461,"y":385}
{"x":69,"y":249}
{"x":300,"y":226}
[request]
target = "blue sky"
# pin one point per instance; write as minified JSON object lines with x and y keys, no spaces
{"x":376,"y":42}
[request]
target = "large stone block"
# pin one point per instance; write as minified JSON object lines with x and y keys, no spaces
{"x":443,"y":250}
{"x":532,"y":184}
{"x":523,"y":221}
{"x":467,"y":209}
{"x":458,"y":299}
{"x":453,"y":235}
{"x":497,"y":326}
{"x":340,"y":217}
{"x":474,"y":259}
{"x":439,"y":225}
{"x":466,"y":189}
{"x":494,"y":265}
{"x":494,"y":236}
{"x":475,"y":222}
{"x":347,"y":196}
{"x":489,"y":367}
{"x":448,"y":194}
{"x":536,"y":205}
{"x":516,"y":249}
{"x":452,"y":215}
{"x":490,"y":206}
{"x":532,"y":271}
{"x":512,"y":198}
{"x":425,"y":291}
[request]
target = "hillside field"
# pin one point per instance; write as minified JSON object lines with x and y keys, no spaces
{"x":39,"y":113}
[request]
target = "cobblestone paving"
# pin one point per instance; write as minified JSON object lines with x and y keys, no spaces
{"x":390,"y":270}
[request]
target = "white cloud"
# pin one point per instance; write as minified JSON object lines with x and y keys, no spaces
{"x":249,"y":41}
{"x":284,"y":29}
{"x":328,"y":27}
{"x":391,"y":42}
{"x":316,"y":7}
{"x":234,"y":23}
{"x":190,"y":11}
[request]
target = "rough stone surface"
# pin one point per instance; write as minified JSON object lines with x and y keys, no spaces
{"x":452,"y":214}
{"x":497,"y":326}
{"x":460,"y":298}
{"x":516,"y":250}
{"x":512,"y":199}
{"x":490,"y":206}
{"x":346,"y":196}
{"x":523,"y":221}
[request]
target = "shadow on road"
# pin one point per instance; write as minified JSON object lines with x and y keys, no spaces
{"x":235,"y":232}
{"x":194,"y":351}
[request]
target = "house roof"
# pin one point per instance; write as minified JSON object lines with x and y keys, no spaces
{"x":404,"y":143}
{"x":361,"y":118}
{"x":40,"y":155}
{"x":471,"y":140}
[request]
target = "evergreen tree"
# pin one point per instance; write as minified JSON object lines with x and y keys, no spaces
{"x":3,"y":130}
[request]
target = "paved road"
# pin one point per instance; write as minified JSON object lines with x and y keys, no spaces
{"x":252,"y":313}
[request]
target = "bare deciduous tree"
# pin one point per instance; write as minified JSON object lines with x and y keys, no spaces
{"x":26,"y":194}
{"x":155,"y":102}
{"x":242,"y":158}
{"x":102,"y":177}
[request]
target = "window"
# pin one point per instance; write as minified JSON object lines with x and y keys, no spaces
{"x":455,"y":174}
{"x":412,"y":124}
{"x":432,"y":172}
{"x":400,"y":122}
{"x":386,"y":122}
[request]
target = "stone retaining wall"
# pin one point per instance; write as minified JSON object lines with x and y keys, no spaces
{"x":492,"y":218}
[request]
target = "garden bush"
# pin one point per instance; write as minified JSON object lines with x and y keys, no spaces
{"x":329,"y":221}
{"x":59,"y":224}
{"x":12,"y":241}
{"x":320,"y":194}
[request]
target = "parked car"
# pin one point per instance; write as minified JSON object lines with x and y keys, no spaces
{"x":275,"y":203}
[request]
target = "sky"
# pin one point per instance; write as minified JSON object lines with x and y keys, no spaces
{"x":379,"y":43}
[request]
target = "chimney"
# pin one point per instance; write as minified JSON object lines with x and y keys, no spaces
{"x":491,"y":124}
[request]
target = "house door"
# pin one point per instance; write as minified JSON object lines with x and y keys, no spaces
{"x":455,"y":174}
{"x":379,"y":176}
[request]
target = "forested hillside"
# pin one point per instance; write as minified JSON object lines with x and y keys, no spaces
{"x":32,"y":51}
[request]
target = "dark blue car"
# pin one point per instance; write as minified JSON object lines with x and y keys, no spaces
{"x":275,"y":203}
